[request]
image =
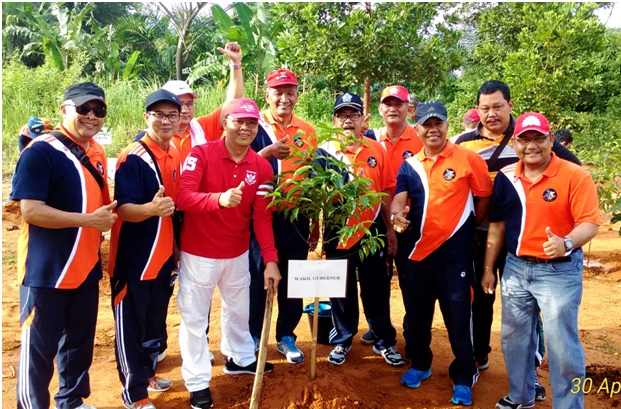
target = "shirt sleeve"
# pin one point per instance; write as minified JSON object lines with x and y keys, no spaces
{"x":402,"y":178}
{"x":33,"y":174}
{"x":480,"y":180}
{"x":128,"y":182}
{"x":189,"y":196}
{"x":263,"y":214}
{"x":584,"y":203}
{"x":211,"y":125}
{"x":496,"y":208}
{"x":388,"y":175}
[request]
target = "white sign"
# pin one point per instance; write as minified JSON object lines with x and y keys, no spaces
{"x":317,"y":278}
{"x":103,"y":137}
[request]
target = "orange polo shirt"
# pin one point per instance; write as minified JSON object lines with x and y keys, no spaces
{"x":408,"y":145}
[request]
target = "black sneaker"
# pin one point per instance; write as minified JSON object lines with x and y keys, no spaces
{"x":231,"y":368}
{"x":506,"y":403}
{"x":368,"y":338}
{"x":540,"y":391}
{"x":201,"y":399}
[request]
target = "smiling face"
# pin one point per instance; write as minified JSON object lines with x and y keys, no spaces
{"x":533,"y":148}
{"x":162,"y":131}
{"x":240,"y":132}
{"x":433,"y":134}
{"x":82,"y":127}
{"x":495,"y":113}
{"x":393,"y":111}
{"x":282,"y":100}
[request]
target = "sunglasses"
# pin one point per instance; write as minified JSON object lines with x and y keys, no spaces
{"x":99,"y":110}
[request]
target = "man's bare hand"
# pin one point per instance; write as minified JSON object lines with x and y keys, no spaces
{"x":271,"y":271}
{"x":231,"y":197}
{"x":162,"y":206}
{"x":280,"y":149}
{"x":399,"y":221}
{"x":103,"y":218}
{"x":232,"y":51}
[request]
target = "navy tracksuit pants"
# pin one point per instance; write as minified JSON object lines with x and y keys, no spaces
{"x":56,"y":323}
{"x":374,"y":292}
{"x":424,"y":282}
{"x":140,"y":309}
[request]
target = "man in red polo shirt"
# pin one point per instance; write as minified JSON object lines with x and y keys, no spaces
{"x":196,"y":131}
{"x":434,"y":258}
{"x":545,"y":209}
{"x":222,"y":188}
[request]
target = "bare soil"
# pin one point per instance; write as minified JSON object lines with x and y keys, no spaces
{"x":365,"y":380}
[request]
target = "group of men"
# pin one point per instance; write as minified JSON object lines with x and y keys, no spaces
{"x":214,"y":173}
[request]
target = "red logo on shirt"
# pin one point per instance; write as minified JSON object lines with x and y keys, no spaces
{"x":549,"y":195}
{"x":251,"y":177}
{"x":449,"y":174}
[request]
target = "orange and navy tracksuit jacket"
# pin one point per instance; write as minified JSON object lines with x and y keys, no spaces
{"x":441,"y":203}
{"x":138,"y":251}
{"x":47,"y":171}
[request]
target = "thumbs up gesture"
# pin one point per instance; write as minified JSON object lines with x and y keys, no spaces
{"x":399,"y":221}
{"x":103,"y":218}
{"x":555,"y":246}
{"x":232,"y":197}
{"x":162,"y":206}
{"x":280,"y":149}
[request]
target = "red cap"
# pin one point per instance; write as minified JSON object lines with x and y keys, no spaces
{"x":242,"y":108}
{"x":277,"y":78}
{"x":531,"y":121}
{"x":396,"y":91}
{"x":472,"y":115}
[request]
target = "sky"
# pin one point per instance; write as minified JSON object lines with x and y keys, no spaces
{"x":614,"y":21}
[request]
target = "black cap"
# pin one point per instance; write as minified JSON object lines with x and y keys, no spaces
{"x":84,"y":92}
{"x":348,"y":100}
{"x":161,"y":95}
{"x":430,"y":109}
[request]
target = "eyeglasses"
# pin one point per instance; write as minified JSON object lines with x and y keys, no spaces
{"x":251,"y":123}
{"x":538,"y":140}
{"x":173,"y":118}
{"x":188,"y":105}
{"x":100,"y":111}
{"x":341,"y":116}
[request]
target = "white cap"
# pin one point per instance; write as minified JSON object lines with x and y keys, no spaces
{"x":179,"y":88}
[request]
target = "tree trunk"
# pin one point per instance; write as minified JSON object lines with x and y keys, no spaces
{"x":179,"y":57}
{"x":367,"y":95}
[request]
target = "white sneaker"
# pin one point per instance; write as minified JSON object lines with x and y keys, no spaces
{"x":161,"y":356}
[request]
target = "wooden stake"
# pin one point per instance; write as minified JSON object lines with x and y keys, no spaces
{"x":265,"y":334}
{"x":313,"y":373}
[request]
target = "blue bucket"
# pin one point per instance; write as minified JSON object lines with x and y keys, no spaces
{"x":324,"y":325}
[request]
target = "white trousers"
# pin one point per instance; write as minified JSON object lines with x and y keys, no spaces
{"x":197,"y":281}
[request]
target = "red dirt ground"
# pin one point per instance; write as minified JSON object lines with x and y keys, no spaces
{"x":365,"y":380}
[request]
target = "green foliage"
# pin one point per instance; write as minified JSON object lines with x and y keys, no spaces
{"x":328,"y":192}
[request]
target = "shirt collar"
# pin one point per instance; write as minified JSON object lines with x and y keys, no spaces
{"x":224,"y":153}
{"x":550,"y":171}
{"x":154,"y":147}
{"x":294,"y":123}
{"x":448,"y":150}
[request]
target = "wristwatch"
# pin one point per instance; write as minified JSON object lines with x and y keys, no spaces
{"x":569,"y":245}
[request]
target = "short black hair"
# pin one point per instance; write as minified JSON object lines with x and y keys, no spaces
{"x":563,"y":135}
{"x":492,"y":86}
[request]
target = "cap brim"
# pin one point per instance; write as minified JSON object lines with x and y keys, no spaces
{"x":240,"y":115}
{"x":531,"y":128}
{"x":423,"y":119}
{"x":280,"y":84}
{"x":86,"y":98}
{"x":164,"y":100}
{"x":396,"y":97}
{"x":347,"y":105}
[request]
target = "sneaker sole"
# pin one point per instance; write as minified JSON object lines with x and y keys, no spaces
{"x":294,"y":361}
{"x":419,"y":382}
{"x":388,"y":361}
{"x":150,"y":389}
{"x":540,"y":398}
{"x":242,"y":371}
{"x":483,"y":367}
{"x":367,"y":341}
{"x":336,"y":363}
{"x":200,"y":407}
{"x":461,"y":402}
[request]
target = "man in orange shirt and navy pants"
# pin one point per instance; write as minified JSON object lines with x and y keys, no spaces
{"x":65,"y":204}
{"x":545,"y":209}
{"x":142,"y":249}
{"x":434,"y":259}
{"x":374,"y":282}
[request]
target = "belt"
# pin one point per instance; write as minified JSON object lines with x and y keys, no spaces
{"x":538,"y":260}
